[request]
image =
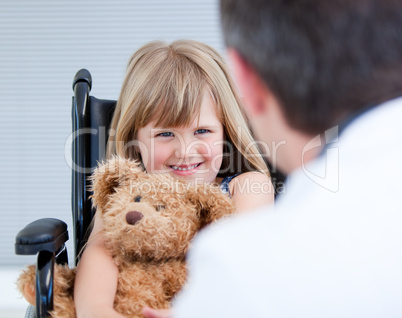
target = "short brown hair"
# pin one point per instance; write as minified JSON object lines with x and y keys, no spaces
{"x":323,"y":60}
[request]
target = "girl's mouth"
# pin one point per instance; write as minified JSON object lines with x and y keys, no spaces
{"x":184,"y":169}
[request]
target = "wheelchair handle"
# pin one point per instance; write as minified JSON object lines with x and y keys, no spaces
{"x":83,"y":75}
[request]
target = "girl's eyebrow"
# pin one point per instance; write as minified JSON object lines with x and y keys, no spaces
{"x":207,"y":126}
{"x":161,"y":128}
{"x":175,"y":128}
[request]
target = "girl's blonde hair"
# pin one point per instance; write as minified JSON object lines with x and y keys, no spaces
{"x":166,"y":83}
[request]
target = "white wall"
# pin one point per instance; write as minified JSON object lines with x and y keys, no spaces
{"x":42,"y":45}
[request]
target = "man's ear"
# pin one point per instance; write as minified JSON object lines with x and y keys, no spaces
{"x":252,"y":87}
{"x":109,"y":175}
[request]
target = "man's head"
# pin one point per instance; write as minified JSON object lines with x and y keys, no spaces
{"x":321,"y":60}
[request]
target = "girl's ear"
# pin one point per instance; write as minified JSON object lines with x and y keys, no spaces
{"x":108,"y":176}
{"x":212,"y":204}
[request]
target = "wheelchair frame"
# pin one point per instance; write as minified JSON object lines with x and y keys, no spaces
{"x":46,"y":237}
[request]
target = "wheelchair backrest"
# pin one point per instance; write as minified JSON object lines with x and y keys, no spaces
{"x":91,"y":118}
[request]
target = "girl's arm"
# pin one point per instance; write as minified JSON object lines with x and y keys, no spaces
{"x":251,"y":190}
{"x":96,"y":280}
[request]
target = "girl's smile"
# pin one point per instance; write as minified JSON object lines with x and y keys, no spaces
{"x":185,"y":169}
{"x":193,"y":152}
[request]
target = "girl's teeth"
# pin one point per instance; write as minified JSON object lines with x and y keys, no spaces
{"x":184,"y":169}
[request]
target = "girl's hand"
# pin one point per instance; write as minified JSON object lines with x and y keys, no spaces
{"x":156,"y":313}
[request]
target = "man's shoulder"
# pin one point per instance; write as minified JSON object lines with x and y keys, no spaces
{"x":234,"y":224}
{"x":236,"y":235}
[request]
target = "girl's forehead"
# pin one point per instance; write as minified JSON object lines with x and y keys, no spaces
{"x":186,"y":114}
{"x":205,"y":115}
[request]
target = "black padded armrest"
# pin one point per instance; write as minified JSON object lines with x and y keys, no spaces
{"x":41,"y":235}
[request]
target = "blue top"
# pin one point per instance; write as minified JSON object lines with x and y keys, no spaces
{"x":225,"y":183}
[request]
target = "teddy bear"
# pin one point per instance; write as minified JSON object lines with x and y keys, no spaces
{"x":149,"y":222}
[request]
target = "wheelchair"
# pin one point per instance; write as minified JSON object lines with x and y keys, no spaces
{"x":91,"y":118}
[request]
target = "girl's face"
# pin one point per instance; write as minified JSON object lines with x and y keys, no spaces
{"x":193,"y":152}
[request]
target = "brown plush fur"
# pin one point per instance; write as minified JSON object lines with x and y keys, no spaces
{"x":151,"y":253}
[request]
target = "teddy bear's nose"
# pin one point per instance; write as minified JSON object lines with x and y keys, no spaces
{"x":133,"y":217}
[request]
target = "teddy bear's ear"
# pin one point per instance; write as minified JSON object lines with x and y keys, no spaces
{"x":108,"y":176}
{"x":212,"y":203}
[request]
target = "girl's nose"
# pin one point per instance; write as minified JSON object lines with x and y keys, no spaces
{"x":183,"y":147}
{"x":190,"y":146}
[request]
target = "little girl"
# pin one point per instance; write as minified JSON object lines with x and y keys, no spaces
{"x":178,"y":112}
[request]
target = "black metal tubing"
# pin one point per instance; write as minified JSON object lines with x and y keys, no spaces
{"x":44,"y":283}
{"x":91,"y":119}
{"x":44,"y":279}
{"x":62,"y":256}
{"x":81,"y":160}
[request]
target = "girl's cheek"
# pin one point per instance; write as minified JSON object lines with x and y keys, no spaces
{"x":217,"y":158}
{"x":215,"y":155}
{"x":144,"y":151}
{"x":210,"y":147}
{"x":216,"y":150}
{"x":203,"y":149}
{"x":158,"y":157}
{"x":149,"y":154}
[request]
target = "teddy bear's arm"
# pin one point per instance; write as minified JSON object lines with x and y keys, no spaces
{"x":151,"y":285}
{"x":175,"y":277}
{"x":63,"y":283}
{"x":26,"y":284}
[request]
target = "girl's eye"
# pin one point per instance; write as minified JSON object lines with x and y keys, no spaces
{"x":165,"y":134}
{"x":160,"y":207}
{"x":201,"y":131}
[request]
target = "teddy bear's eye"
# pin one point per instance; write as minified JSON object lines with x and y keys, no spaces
{"x":159,"y":207}
{"x":137,"y":198}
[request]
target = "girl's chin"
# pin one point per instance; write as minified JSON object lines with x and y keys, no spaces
{"x":186,"y":174}
{"x":197,"y":179}
{"x":196,"y":175}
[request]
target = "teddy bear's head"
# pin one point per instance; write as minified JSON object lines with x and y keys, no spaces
{"x":152,"y":217}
